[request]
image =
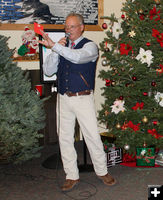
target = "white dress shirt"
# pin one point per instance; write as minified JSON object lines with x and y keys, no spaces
{"x":88,"y":53}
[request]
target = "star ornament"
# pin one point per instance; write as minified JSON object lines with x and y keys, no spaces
{"x":117,"y":30}
{"x":118,"y":106}
{"x":145,"y":56}
{"x":159,"y":98}
{"x":132,"y":34}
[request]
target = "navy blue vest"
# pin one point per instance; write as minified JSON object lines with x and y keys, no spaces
{"x":76,"y":77}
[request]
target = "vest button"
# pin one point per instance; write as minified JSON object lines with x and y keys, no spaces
{"x":67,"y":66}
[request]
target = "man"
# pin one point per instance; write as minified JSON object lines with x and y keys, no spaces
{"x":76,"y":76}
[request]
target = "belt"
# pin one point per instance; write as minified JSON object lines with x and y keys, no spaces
{"x":86,"y":92}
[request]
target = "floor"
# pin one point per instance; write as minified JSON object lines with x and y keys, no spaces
{"x":41,"y":179}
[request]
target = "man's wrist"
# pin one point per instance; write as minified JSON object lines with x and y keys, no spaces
{"x":52,"y":45}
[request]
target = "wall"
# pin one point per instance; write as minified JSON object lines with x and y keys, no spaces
{"x":110,"y":6}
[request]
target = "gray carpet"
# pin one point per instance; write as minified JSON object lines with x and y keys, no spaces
{"x":32,"y":181}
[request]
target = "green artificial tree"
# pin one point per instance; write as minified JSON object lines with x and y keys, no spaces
{"x":132,"y":57}
{"x":21,"y":111}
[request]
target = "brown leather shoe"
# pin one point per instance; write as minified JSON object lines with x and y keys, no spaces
{"x":69,"y":184}
{"x":108,"y":179}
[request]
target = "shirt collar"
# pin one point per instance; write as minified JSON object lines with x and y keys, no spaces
{"x":78,"y":40}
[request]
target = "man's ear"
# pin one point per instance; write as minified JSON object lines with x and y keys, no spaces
{"x":82,"y":27}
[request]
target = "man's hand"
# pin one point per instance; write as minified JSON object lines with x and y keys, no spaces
{"x":62,"y":41}
{"x":47,"y":41}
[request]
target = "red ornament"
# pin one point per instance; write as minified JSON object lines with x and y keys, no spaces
{"x":148,"y":44}
{"x":145,"y":93}
{"x":108,"y":82}
{"x":122,"y":16}
{"x":153,"y":83}
{"x":104,"y":26}
{"x":127,"y":84}
{"x":134,"y":78}
{"x":121,"y":97}
{"x":142,"y":16}
{"x":155,"y":122}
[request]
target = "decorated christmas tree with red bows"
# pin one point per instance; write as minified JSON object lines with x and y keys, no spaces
{"x":132,"y":59}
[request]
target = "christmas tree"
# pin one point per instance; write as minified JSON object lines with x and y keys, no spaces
{"x":133,"y":73}
{"x":21,"y":111}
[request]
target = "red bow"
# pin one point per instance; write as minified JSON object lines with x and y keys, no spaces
{"x":134,"y":126}
{"x":125,"y":48}
{"x":154,"y":133}
{"x":130,"y":124}
{"x":138,"y":105}
{"x":154,"y":13}
{"x":158,"y":35}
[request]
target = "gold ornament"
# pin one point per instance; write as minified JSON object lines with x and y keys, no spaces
{"x":113,"y":83}
{"x":106,"y":113}
{"x":118,"y":126}
{"x":157,"y":1}
{"x":145,"y":119}
{"x":140,"y":11}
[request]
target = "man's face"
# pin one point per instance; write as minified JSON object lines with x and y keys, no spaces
{"x":73,"y":27}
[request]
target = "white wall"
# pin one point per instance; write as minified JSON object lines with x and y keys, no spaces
{"x":110,"y":6}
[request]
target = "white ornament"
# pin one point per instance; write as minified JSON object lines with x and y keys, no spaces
{"x":127,"y":147}
{"x":117,"y":30}
{"x":117,"y":106}
{"x":145,"y":56}
{"x":159,"y":98}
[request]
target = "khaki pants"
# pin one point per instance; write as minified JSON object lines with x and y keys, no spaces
{"x":82,"y":108}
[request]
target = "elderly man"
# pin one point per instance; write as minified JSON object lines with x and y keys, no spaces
{"x":75,"y":64}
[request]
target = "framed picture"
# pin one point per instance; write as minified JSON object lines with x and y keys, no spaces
{"x":14,"y":15}
{"x":55,"y":35}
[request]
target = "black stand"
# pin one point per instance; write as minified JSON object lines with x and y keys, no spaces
{"x":85,"y":167}
{"x":52,"y":162}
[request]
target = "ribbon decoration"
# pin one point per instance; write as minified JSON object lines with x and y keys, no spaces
{"x":146,"y":158}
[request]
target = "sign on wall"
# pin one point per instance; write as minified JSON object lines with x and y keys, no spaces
{"x":52,"y":14}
